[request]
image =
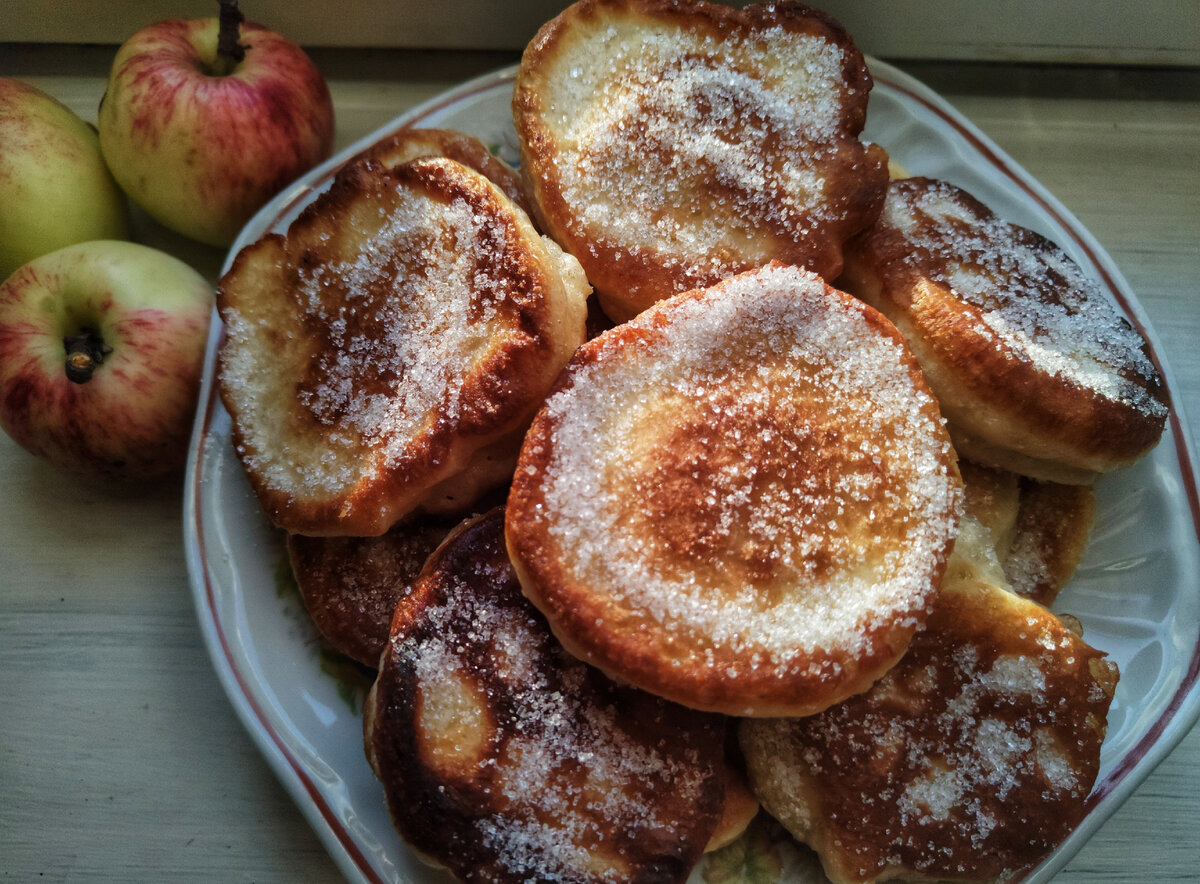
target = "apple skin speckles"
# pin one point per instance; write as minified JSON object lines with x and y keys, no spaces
{"x":202,"y":152}
{"x":55,"y":188}
{"x":130,"y":420}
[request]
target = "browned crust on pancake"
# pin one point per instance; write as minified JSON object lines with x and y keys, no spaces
{"x":627,"y":275}
{"x":548,"y":771}
{"x":1036,"y":532}
{"x":274,"y":331}
{"x":738,"y":811}
{"x":1006,"y":409}
{"x":1050,"y":537}
{"x":410,"y":143}
{"x":350,"y":585}
{"x":993,"y":497}
{"x":972,"y":758}
{"x":627,"y":639}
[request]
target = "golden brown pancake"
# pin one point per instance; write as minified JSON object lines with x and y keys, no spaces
{"x":1034,"y":368}
{"x":1051,"y":534}
{"x":350,"y":585}
{"x":412,"y":143}
{"x":993,"y":496}
{"x":742,"y":500}
{"x":1026,"y":535}
{"x":668,"y":145}
{"x":388,"y":351}
{"x":737,"y":812}
{"x":991,"y":499}
{"x":507,"y":760}
{"x":971,"y":759}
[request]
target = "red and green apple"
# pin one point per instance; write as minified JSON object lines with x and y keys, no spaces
{"x":101,"y":353}
{"x":204,"y":120}
{"x":55,"y":188}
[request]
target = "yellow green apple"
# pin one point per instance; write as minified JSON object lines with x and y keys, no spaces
{"x":101,"y":352}
{"x":55,"y":188}
{"x":204,"y":120}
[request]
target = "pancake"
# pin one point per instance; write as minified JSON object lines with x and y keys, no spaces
{"x":504,"y":759}
{"x":969,"y":761}
{"x":737,"y":812}
{"x":1050,"y":537}
{"x":992,"y":496}
{"x":991,"y":500}
{"x":1022,"y":534}
{"x":1035,"y":370}
{"x":742,"y":500}
{"x":350,"y":585}
{"x":412,"y":143}
{"x":387,"y":353}
{"x":668,"y":145}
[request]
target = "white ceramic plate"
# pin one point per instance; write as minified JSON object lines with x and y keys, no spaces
{"x":1134,"y":592}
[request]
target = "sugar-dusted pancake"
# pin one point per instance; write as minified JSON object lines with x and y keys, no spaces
{"x":388,"y":351}
{"x":993,"y":496}
{"x":1050,"y":536}
{"x":507,"y":760}
{"x":411,"y":143}
{"x":991,"y":500}
{"x":1034,"y":368}
{"x":971,"y":759}
{"x":350,"y":585}
{"x":668,"y":145}
{"x":742,"y":500}
{"x":1021,"y":533}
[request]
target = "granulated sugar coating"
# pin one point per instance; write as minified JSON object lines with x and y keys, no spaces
{"x":659,"y":88}
{"x":742,"y":500}
{"x":1034,"y":368}
{"x":1049,"y":538}
{"x":507,"y":760}
{"x":1029,"y":294}
{"x":401,"y":341}
{"x":410,"y":318}
{"x":970,"y":759}
{"x":670,"y":147}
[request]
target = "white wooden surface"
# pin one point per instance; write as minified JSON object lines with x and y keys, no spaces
{"x":120,"y":758}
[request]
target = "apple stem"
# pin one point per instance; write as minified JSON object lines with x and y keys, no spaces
{"x":84,"y":352}
{"x":229,"y":51}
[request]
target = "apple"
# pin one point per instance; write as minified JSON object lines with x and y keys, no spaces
{"x":55,"y":189}
{"x":204,"y":120}
{"x":101,"y":351}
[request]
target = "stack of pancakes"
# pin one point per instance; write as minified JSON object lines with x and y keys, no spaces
{"x":775,"y":518}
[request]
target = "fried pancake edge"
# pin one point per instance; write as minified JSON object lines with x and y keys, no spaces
{"x":544,"y":310}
